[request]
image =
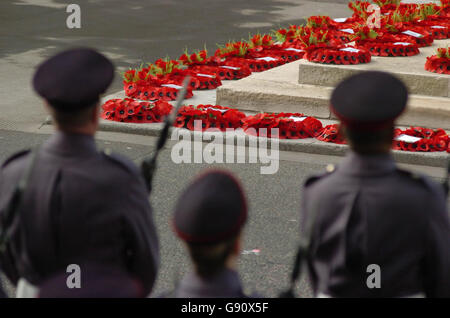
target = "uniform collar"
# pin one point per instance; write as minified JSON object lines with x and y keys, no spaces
{"x":71,"y":144}
{"x":367,"y":165}
{"x":225,"y":284}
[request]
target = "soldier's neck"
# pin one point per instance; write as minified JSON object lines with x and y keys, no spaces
{"x":85,"y":130}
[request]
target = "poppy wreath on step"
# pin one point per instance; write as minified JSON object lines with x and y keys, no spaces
{"x":211,"y":116}
{"x":440,"y":31}
{"x":259,"y":64}
{"x":420,"y":139}
{"x":344,"y":35}
{"x":439,"y":63}
{"x":290,"y":125}
{"x":344,"y":23}
{"x":331,"y":133}
{"x":207,"y":81}
{"x":165,"y":92}
{"x":224,"y":72}
{"x":380,"y":47}
{"x":417,"y":35}
{"x":200,"y":63}
{"x":286,"y":54}
{"x":233,"y":71}
{"x":240,"y":53}
{"x":337,"y":55}
{"x":132,"y":111}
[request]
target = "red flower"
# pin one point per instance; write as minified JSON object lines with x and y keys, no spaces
{"x":312,"y":126}
{"x":149,"y":117}
{"x":180,"y":121}
{"x":331,"y":133}
{"x":121,"y":111}
{"x":130,"y":89}
{"x":110,"y":105}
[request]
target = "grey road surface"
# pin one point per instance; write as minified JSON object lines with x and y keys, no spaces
{"x":274,"y":220}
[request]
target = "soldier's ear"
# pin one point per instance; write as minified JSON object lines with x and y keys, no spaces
{"x":237,"y":245}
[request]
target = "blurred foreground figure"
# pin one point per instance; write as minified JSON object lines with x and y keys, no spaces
{"x":79,"y":203}
{"x":209,"y":218}
{"x":376,"y":230}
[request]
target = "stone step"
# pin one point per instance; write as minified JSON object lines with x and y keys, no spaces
{"x":409,"y":69}
{"x":261,"y":95}
{"x":306,"y":87}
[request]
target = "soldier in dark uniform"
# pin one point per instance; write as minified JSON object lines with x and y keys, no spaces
{"x":209,"y":217}
{"x":369,"y":212}
{"x":80,"y":204}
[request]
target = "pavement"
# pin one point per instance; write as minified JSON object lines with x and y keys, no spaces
{"x":138,"y":31}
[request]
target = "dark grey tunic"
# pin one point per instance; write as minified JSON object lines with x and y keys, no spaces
{"x":82,"y":206}
{"x":370,"y":212}
{"x":226,"y":284}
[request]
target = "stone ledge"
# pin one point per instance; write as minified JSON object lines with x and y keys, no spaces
{"x":259,"y":95}
{"x":308,"y":145}
{"x":409,"y":69}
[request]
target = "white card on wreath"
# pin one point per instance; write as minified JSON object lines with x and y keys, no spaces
{"x":437,"y":27}
{"x":402,"y":43}
{"x":412,"y":33}
{"x":350,"y":49}
{"x":205,"y":75}
{"x":267,"y":59}
{"x":340,"y":20}
{"x":407,"y":138}
{"x":172,"y":86}
{"x":293,"y":49}
{"x":348,"y":31}
{"x":218,"y":109}
{"x":231,"y":67}
{"x":296,"y":118}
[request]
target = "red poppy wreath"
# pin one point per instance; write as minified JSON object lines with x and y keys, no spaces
{"x":420,"y":139}
{"x":413,"y":34}
{"x":223,"y":72}
{"x":383,"y":44}
{"x":277,"y":51}
{"x":132,"y":111}
{"x":290,"y":125}
{"x":159,"y":81}
{"x":239,"y":53}
{"x":211,"y":116}
{"x":331,"y":133}
{"x":439,"y":63}
{"x":344,"y":55}
{"x":439,"y":30}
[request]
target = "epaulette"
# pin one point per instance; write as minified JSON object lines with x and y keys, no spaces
{"x":417,"y":177}
{"x":15,"y":156}
{"x":428,"y":184}
{"x":410,"y":174}
{"x":329,"y":170}
{"x":120,"y":161}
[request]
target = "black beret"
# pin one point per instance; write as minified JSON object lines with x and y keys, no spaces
{"x":369,"y":100}
{"x":211,"y":210}
{"x":73,"y":79}
{"x":96,"y":280}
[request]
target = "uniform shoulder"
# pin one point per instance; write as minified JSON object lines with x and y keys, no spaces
{"x":15,"y":156}
{"x":423,"y":181}
{"x":120,"y":161}
{"x":312,"y":179}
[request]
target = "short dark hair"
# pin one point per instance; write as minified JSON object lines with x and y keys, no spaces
{"x":369,"y":142}
{"x":68,"y":119}
{"x":210,"y":259}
